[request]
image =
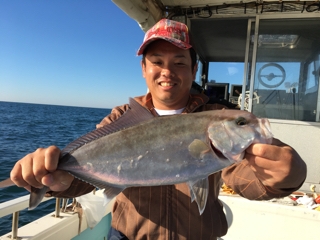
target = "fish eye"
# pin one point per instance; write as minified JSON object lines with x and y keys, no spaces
{"x":241,"y":121}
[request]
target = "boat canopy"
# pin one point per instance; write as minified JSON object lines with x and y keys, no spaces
{"x":148,"y":12}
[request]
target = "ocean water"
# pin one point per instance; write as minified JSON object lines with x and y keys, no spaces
{"x":25,"y":127}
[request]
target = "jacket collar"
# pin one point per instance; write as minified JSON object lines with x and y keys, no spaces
{"x":195,"y":101}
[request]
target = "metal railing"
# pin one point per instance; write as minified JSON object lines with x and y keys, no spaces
{"x":15,"y":206}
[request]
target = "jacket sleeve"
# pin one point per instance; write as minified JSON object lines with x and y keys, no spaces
{"x":114,"y":115}
{"x":243,"y":181}
{"x":78,"y":187}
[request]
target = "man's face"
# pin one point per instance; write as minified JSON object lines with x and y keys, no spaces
{"x":168,"y":75}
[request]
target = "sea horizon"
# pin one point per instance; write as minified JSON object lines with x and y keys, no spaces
{"x":52,"y":104}
{"x":25,"y":127}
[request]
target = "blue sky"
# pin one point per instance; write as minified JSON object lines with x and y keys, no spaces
{"x":76,"y":53}
{"x":69,"y":52}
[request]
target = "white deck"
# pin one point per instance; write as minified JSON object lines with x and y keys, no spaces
{"x":246,"y":219}
{"x":264,"y":220}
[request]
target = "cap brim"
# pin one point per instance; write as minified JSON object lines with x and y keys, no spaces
{"x":175,"y":42}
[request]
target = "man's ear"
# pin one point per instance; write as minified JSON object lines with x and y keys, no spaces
{"x":143,"y":67}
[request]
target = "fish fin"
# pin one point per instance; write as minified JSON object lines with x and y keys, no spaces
{"x":111,"y":192}
{"x":198,"y":148}
{"x":91,"y":180}
{"x":6,"y":183}
{"x":190,"y":185}
{"x":199,"y":191}
{"x":133,"y":116}
{"x":36,"y":196}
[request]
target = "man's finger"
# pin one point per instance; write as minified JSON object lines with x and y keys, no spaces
{"x":58,"y":180}
{"x":51,"y":159}
{"x":16,"y":176}
{"x":266,"y":151}
{"x":28,"y":174}
{"x":258,"y":162}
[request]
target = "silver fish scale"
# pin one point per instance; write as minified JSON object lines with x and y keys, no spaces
{"x":150,"y":156}
{"x":156,"y":152}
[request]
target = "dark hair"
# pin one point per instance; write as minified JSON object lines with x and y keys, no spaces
{"x":193,"y":56}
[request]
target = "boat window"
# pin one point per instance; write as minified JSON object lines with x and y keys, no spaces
{"x":220,"y":44}
{"x":286,"y":81}
{"x":225,"y":77}
{"x":285,"y":64}
{"x":199,"y":77}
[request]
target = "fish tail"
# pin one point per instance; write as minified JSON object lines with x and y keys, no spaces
{"x":36,"y":195}
{"x":6,"y":183}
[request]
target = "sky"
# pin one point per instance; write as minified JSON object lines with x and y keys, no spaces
{"x":69,"y":52}
{"x":76,"y":53}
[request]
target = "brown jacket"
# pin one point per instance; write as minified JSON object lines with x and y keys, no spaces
{"x":166,"y":212}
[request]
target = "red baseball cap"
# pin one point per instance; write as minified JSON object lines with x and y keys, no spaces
{"x":169,"y":30}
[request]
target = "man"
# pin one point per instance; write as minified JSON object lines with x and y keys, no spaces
{"x":166,"y":212}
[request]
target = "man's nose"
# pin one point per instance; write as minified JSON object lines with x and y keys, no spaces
{"x":167,"y":71}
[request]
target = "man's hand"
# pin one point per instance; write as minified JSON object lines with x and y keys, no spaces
{"x":278,"y":165}
{"x":39,"y":168}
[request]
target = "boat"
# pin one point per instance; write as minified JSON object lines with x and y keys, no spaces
{"x":271,"y":54}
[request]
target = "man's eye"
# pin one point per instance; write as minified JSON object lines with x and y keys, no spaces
{"x":156,"y":63}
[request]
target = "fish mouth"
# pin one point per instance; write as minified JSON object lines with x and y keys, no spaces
{"x":218,"y":152}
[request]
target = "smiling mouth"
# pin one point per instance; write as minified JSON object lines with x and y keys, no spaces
{"x":166,"y":84}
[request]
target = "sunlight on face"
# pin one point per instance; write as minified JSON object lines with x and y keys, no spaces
{"x":168,"y":75}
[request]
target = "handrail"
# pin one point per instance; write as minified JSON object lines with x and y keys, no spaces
{"x":50,"y":223}
{"x":16,"y":205}
{"x":15,"y":224}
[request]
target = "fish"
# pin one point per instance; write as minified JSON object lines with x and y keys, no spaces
{"x":139,"y":149}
